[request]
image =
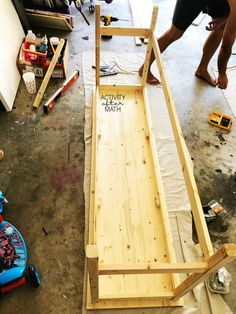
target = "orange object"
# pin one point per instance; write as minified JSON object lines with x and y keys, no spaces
{"x":220,"y":120}
{"x":33,"y":56}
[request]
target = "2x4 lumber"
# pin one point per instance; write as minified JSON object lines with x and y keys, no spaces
{"x":223,"y":256}
{"x":48,"y":74}
{"x":131,"y":87}
{"x":158,"y":295}
{"x":160,"y":197}
{"x":149,"y":46}
{"x":191,"y":186}
{"x":92,"y":263}
{"x":98,"y":42}
{"x":162,"y":268}
{"x":91,"y":238}
{"x":124,"y":31}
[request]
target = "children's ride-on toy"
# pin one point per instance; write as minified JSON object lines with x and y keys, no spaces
{"x":13,"y":257}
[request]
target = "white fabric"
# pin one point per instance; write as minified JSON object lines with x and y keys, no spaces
{"x":177,"y":201}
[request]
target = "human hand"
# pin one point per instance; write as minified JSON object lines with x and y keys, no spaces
{"x":222,"y":81}
{"x":215,"y":24}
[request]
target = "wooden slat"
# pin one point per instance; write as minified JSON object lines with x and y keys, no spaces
{"x":129,"y":226}
{"x":131,"y":87}
{"x":91,"y":236}
{"x":164,"y":268}
{"x":92,"y":263}
{"x":187,"y":169}
{"x":223,"y":256}
{"x":48,"y":74}
{"x":158,"y":295}
{"x":98,"y":42}
{"x":160,"y":197}
{"x":124,"y":31}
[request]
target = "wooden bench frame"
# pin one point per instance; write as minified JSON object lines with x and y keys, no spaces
{"x":197,"y":271}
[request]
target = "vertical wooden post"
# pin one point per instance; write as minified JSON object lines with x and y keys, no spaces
{"x":149,"y":46}
{"x":98,"y":41}
{"x":219,"y":259}
{"x":92,"y":263}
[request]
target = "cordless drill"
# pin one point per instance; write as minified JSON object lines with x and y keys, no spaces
{"x":106,"y":19}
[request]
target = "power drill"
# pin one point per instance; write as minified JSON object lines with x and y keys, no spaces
{"x":106,"y":19}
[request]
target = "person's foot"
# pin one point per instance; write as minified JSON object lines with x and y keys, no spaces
{"x":151,"y":79}
{"x":205,"y":76}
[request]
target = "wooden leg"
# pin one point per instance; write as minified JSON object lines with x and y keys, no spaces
{"x":97,"y":33}
{"x":222,"y":257}
{"x":92,"y":262}
{"x":149,"y":47}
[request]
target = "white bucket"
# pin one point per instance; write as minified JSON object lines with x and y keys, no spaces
{"x":29,"y":79}
{"x":54,"y":41}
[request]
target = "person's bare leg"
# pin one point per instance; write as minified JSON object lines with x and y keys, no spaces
{"x":209,"y":48}
{"x":164,"y":41}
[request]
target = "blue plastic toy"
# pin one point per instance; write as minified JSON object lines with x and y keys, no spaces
{"x":13,"y":257}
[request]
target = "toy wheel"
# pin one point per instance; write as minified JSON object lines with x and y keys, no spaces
{"x":91,"y":8}
{"x":34,"y":276}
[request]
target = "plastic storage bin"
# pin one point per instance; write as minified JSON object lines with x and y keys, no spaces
{"x":33,"y":56}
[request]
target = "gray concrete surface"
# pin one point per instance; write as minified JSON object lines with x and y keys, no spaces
{"x":42,"y":171}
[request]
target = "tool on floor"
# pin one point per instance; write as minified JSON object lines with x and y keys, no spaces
{"x":60,"y":92}
{"x":107,"y":20}
{"x":219,"y":282}
{"x":48,"y":74}
{"x":213,"y":210}
{"x":78,"y":4}
{"x":220,"y":120}
{"x":106,"y":70}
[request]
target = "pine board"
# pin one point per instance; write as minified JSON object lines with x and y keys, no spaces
{"x":128,"y":223}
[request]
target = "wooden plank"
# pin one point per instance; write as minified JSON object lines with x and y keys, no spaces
{"x":126,"y":192}
{"x":91,"y":236}
{"x":49,"y":21}
{"x":92,"y":263}
{"x":124,"y":31}
{"x":149,"y":47}
{"x":131,"y":87}
{"x":187,"y":169}
{"x":152,"y":268}
{"x":160,"y":197}
{"x":158,"y":295}
{"x":133,"y":303}
{"x":48,"y":74}
{"x":225,"y":255}
{"x":97,"y":34}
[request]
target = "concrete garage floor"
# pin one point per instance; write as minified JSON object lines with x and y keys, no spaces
{"x":42,"y":171}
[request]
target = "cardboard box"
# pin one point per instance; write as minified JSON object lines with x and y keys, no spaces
{"x":60,"y":70}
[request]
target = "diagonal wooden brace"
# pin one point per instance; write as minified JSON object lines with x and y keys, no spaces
{"x":222,"y":257}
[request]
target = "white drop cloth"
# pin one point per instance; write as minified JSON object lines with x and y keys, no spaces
{"x":200,"y":301}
